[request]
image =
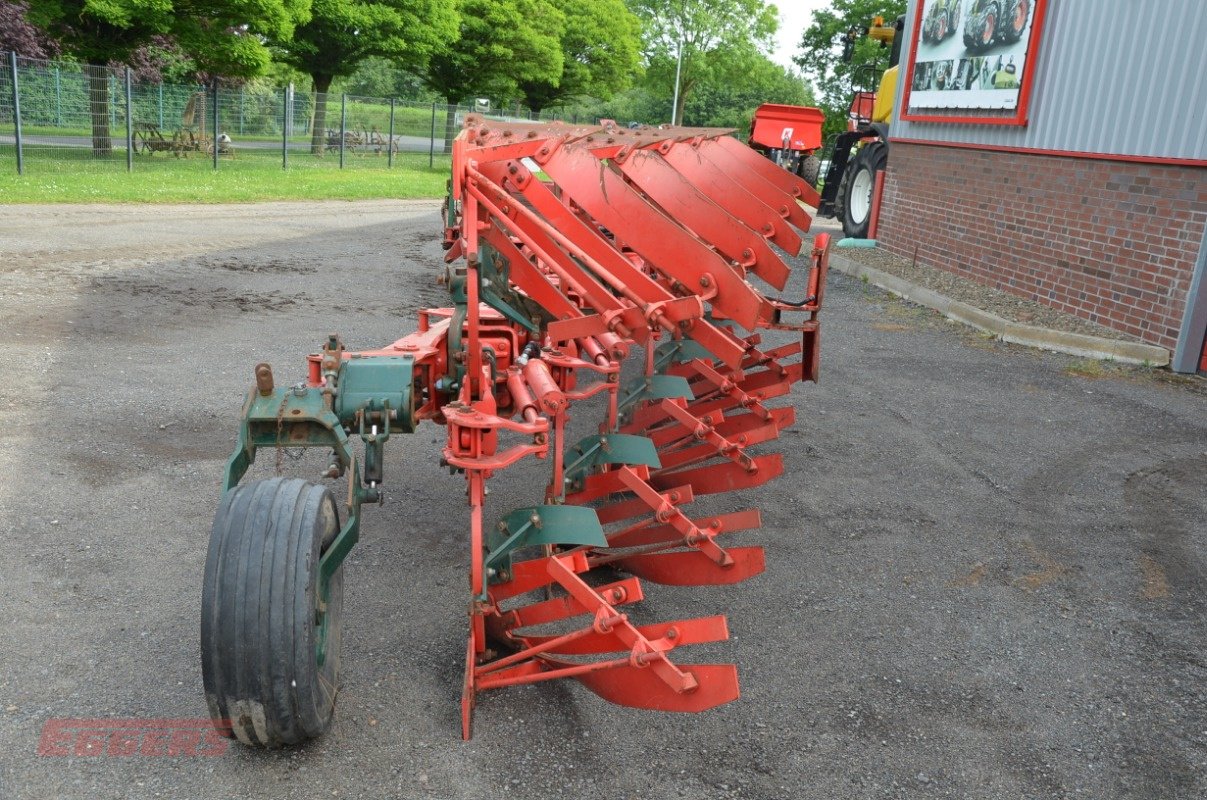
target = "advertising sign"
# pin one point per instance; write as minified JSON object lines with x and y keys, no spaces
{"x":973,"y":55}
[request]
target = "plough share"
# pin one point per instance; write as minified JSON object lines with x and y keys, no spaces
{"x":568,"y":248}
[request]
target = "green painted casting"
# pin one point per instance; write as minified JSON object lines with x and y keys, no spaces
{"x":655,"y":387}
{"x":679,"y":351}
{"x":614,"y":448}
{"x":570,"y":526}
{"x":377,"y":383}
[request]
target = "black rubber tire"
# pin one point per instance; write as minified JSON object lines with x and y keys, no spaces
{"x":809,"y":170}
{"x":259,"y":662}
{"x":872,"y":157}
{"x":1009,"y":34}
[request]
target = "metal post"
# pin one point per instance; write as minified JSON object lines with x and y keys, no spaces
{"x":12,"y":63}
{"x":285,"y":108}
{"x":240,"y":110}
{"x":129,"y":125}
{"x":390,"y":138}
{"x":58,"y":97}
{"x":678,"y":69}
{"x":161,"y":105}
{"x":343,"y":125}
{"x":215,"y":140}
{"x":431,"y":150}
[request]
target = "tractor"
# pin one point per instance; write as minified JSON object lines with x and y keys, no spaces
{"x":942,"y":20}
{"x":862,"y":150}
{"x":992,"y":22}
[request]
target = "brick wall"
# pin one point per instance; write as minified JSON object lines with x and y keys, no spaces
{"x":1112,"y":242}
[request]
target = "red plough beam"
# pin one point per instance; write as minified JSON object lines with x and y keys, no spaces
{"x":568,"y":249}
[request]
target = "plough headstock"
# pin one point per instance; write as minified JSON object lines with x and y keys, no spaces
{"x":568,"y":246}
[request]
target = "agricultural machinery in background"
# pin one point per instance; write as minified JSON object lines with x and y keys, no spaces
{"x":790,"y":136}
{"x":862,"y":150}
{"x":568,"y":249}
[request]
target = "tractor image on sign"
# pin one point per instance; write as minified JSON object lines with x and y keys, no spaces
{"x":567,"y":249}
{"x":942,"y":20}
{"x":992,"y":21}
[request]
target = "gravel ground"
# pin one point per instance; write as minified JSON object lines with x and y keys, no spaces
{"x":966,"y":290}
{"x":985,"y":569}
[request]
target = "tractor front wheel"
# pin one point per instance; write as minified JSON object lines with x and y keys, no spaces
{"x":269,"y":645}
{"x":854,"y":203}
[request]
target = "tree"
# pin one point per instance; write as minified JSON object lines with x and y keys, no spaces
{"x":731,"y":104}
{"x":19,"y":36}
{"x":822,"y":46}
{"x":714,"y":38}
{"x":220,"y":36}
{"x":502,"y":43}
{"x":380,"y":77}
{"x":343,"y":33}
{"x":600,"y":44}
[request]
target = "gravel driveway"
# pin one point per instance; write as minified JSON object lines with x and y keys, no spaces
{"x":985,"y":570}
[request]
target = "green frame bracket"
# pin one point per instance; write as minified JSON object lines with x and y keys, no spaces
{"x":299,"y":417}
{"x":679,"y":351}
{"x":572,"y":526}
{"x":609,"y":449}
{"x":655,"y":387}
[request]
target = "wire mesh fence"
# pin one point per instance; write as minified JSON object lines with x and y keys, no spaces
{"x":59,"y":115}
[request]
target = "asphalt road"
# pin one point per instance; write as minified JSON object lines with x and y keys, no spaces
{"x":985,"y":570}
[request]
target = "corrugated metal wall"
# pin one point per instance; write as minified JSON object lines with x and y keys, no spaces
{"x":1124,"y":77}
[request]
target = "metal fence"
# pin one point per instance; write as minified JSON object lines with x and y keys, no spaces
{"x":57,"y":115}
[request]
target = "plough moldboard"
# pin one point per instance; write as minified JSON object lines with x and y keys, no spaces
{"x":567,"y":248}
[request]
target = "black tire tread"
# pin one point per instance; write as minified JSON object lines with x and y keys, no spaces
{"x":257,"y":634}
{"x":810,"y":170}
{"x":873,"y":155}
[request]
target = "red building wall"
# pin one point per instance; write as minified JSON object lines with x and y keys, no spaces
{"x":1112,"y":242}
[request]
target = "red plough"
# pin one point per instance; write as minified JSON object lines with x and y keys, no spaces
{"x":569,"y":247}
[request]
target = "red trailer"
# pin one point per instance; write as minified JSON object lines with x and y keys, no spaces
{"x":790,"y":136}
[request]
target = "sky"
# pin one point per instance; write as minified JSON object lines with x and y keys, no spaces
{"x":795,"y":16}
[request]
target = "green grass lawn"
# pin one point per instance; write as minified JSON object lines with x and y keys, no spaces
{"x":71,"y":176}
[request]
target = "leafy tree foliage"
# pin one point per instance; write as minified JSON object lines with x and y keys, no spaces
{"x":18,"y":34}
{"x":729,"y":104}
{"x":600,"y":44}
{"x":381,"y":77}
{"x":222,"y":37}
{"x":502,"y":43}
{"x":821,"y":53}
{"x":342,"y":33}
{"x":717,"y":39}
